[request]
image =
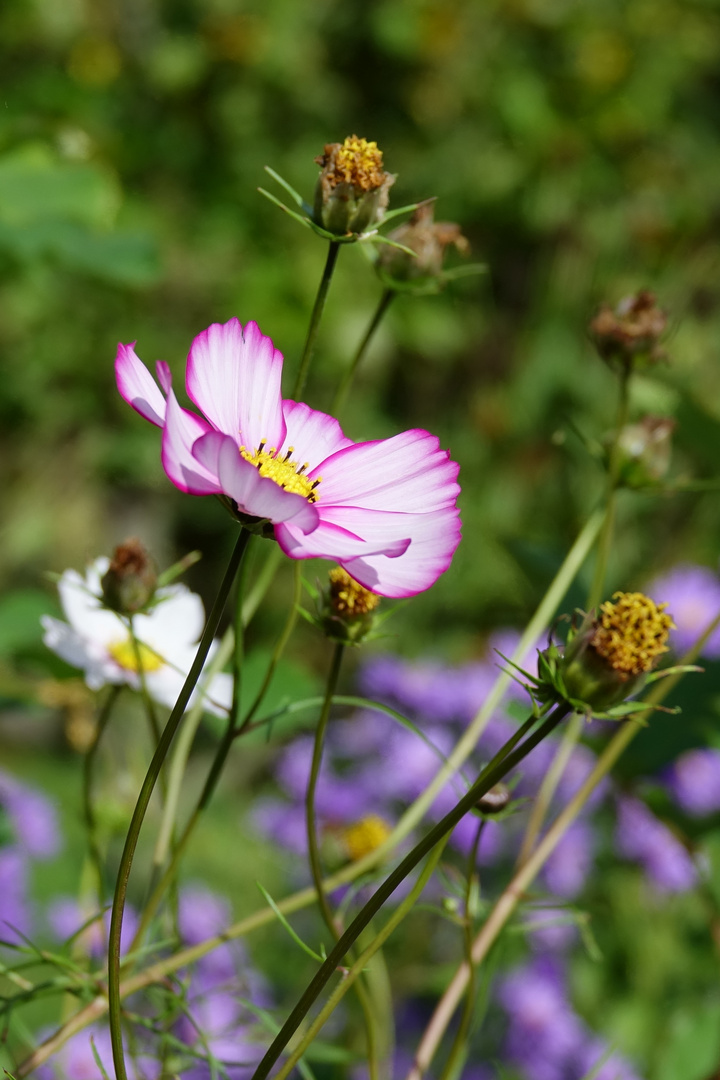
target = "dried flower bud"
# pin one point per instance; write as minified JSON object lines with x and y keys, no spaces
{"x":351,"y":194}
{"x":630,"y":334}
{"x":131,"y":579}
{"x":608,"y":657}
{"x":429,"y":240}
{"x":494,"y":800}
{"x":645,"y":450}
{"x":348,"y":608}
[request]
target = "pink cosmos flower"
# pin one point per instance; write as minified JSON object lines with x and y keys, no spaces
{"x":384,"y":510}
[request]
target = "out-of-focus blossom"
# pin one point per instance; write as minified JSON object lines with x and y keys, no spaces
{"x":33,"y":818}
{"x":385,"y":511}
{"x":550,"y":929}
{"x":567,"y":868}
{"x":692,"y":593}
{"x":641,"y":837}
{"x":98,"y":641}
{"x":75,"y":1059}
{"x":15,"y":911}
{"x":694,"y":781}
{"x":65,"y":916}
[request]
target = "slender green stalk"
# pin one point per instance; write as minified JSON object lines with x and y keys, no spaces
{"x":347,"y":379}
{"x":315,"y":318}
{"x":491,"y":775}
{"x":88,"y":807}
{"x":144,"y":798}
{"x":549,"y":784}
{"x":606,"y":536}
{"x":314,"y":854}
{"x":362,"y":961}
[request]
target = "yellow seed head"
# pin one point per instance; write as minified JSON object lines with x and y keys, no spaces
{"x":365,"y":836}
{"x":357,"y":162}
{"x":631,"y":633}
{"x":347,"y":597}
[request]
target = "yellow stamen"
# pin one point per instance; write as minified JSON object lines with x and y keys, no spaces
{"x":360,"y":163}
{"x":365,"y":836}
{"x":125,"y":654}
{"x":349,"y":597}
{"x":631,"y":633}
{"x":282,"y":470}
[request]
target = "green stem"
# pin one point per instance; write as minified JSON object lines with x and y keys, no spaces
{"x":347,"y":379}
{"x":88,"y":808}
{"x":549,"y":784}
{"x":315,"y":319}
{"x":491,"y":775}
{"x":606,"y":535}
{"x":141,"y":806}
{"x":361,"y":963}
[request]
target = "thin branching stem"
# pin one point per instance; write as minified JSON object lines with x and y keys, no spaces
{"x":347,"y":380}
{"x":315,"y":318}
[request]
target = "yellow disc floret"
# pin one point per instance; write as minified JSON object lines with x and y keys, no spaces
{"x":348,"y":597}
{"x":358,"y":162}
{"x":285,"y":472}
{"x":631,"y":633}
{"x":126,"y":654}
{"x":365,"y":836}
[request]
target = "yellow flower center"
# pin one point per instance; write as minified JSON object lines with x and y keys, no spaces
{"x":365,"y":836}
{"x":360,"y":163}
{"x":631,"y":633}
{"x":285,"y":472}
{"x":126,"y":654}
{"x":348,"y":597}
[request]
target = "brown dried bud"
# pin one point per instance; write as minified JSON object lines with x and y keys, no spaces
{"x":494,"y":800}
{"x":645,"y":450}
{"x":130,"y":580}
{"x":351,"y":194}
{"x":428,"y":239}
{"x":631,"y":332}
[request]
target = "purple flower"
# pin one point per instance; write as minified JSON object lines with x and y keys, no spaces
{"x":14,"y":905}
{"x":641,"y":837}
{"x":692,"y":594}
{"x":76,"y":1059}
{"x":33,"y":817}
{"x":544,"y":1035}
{"x":65,"y":916}
{"x":694,"y":782}
{"x":550,"y":930}
{"x":567,"y":868}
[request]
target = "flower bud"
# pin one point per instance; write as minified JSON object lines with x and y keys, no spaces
{"x":429,"y":240}
{"x":608,"y":657}
{"x":131,"y":579}
{"x":630,"y":334}
{"x":645,"y":450}
{"x":495,"y":800}
{"x":348,"y":607}
{"x":351,"y":194}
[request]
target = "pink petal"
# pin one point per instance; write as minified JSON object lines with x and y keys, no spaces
{"x":348,"y":533}
{"x":313,"y":435}
{"x":434,"y":540}
{"x":137,"y":386}
{"x":164,"y":377}
{"x":183,"y":429}
{"x":254,"y":494}
{"x":408,"y":473}
{"x":233,"y":376}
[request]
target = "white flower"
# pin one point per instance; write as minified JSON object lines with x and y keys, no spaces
{"x":98,"y":641}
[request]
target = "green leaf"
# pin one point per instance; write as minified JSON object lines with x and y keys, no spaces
{"x":294,"y":195}
{"x":692,"y":1048}
{"x":281,"y":918}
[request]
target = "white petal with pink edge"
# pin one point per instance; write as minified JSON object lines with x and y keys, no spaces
{"x":137,"y":386}
{"x":313,"y":435}
{"x":434,"y":540}
{"x":256,"y":495}
{"x":347,"y":533}
{"x":407,"y":473}
{"x":233,"y":376}
{"x":183,"y":429}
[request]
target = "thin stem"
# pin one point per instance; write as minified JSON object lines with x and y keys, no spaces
{"x":146,"y":791}
{"x":88,"y":808}
{"x":347,"y":379}
{"x":606,"y":536}
{"x":549,"y":784}
{"x":361,"y":963}
{"x":315,"y":318}
{"x":490,"y":775}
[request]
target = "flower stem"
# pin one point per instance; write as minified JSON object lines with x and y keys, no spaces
{"x":146,"y":791}
{"x":490,"y":775}
{"x":347,"y":379}
{"x":606,"y":535}
{"x":315,"y":318}
{"x":88,"y":808}
{"x":549,"y":784}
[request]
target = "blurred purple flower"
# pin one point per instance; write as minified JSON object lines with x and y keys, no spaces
{"x":14,"y":904}
{"x":544,"y":1035}
{"x":694,"y":781}
{"x":33,"y":817}
{"x":641,"y":837}
{"x":567,"y":868}
{"x":615,"y":1068}
{"x":550,"y":929}
{"x":76,"y":1061}
{"x":65,"y":916}
{"x":692,"y":594}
